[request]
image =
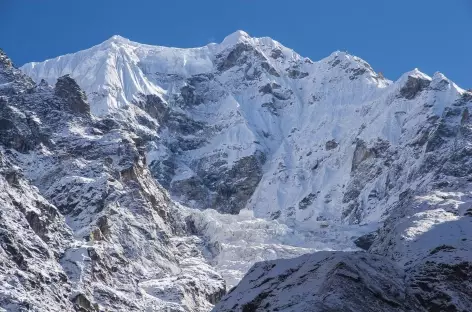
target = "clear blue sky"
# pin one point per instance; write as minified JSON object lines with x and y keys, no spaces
{"x":394,"y":36}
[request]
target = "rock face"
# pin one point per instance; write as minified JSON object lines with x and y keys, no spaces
{"x":331,"y":144}
{"x":361,"y":153}
{"x":436,"y":258}
{"x":19,"y":130}
{"x":365,"y":241}
{"x":323,"y":153}
{"x":324,"y":281}
{"x":33,"y":236}
{"x":83,"y":225}
{"x":413,"y":86}
{"x":72,"y":95}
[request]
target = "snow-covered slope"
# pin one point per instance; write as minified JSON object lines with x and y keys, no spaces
{"x":323,"y":152}
{"x":247,"y":104}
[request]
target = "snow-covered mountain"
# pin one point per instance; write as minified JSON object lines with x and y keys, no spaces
{"x":246,"y":105}
{"x":294,"y":156}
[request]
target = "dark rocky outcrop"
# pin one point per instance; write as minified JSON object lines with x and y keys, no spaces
{"x":74,"y":98}
{"x":413,"y":86}
{"x":295,"y":73}
{"x":5,"y":61}
{"x":361,"y":153}
{"x":354,"y":73}
{"x":12,"y":80}
{"x":270,"y":69}
{"x":163,"y":171}
{"x":82,"y":304}
{"x":307,"y":201}
{"x":155,"y":106}
{"x":188,"y":95}
{"x":244,"y":54}
{"x":19,"y":130}
{"x":442,"y":286}
{"x":365,"y":241}
{"x":238,"y":55}
{"x":191,"y":189}
{"x":239,"y":183}
{"x":330,"y":145}
{"x":269,"y":88}
{"x":276,"y":53}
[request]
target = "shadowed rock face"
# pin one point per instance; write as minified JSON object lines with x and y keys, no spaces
{"x":436,"y":285}
{"x":361,"y":153}
{"x":413,"y":87}
{"x":239,"y":184}
{"x":331,"y":144}
{"x":155,"y":106}
{"x":239,"y":55}
{"x":12,"y":80}
{"x":365,"y":241}
{"x":307,"y":201}
{"x":33,"y":236}
{"x":74,"y":98}
{"x":19,"y":129}
{"x":324,"y":281}
{"x":294,"y":73}
{"x":219,"y":187}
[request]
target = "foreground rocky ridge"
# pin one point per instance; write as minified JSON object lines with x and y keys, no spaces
{"x":84,"y":225}
{"x":324,"y":281}
{"x":324,"y":151}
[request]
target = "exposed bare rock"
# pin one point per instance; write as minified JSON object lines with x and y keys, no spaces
{"x":75,"y":99}
{"x":413,"y":86}
{"x":324,"y":281}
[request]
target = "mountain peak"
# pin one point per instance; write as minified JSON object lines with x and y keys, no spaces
{"x":236,"y":37}
{"x":118,"y":38}
{"x":115,"y":39}
{"x":415,"y":73}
